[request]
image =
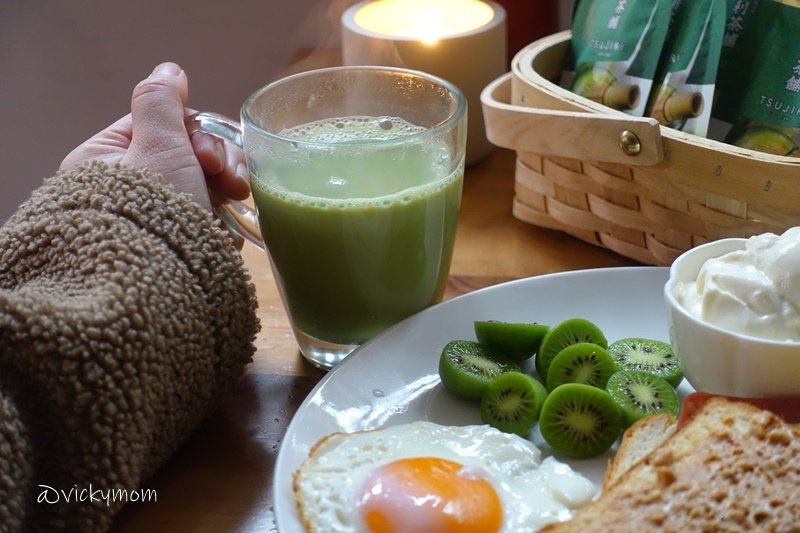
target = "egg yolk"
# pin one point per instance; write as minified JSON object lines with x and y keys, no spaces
{"x":428,"y":494}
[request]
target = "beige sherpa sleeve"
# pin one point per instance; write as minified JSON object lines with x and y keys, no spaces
{"x":125,"y":314}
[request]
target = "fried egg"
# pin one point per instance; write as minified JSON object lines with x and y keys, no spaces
{"x":423,"y":477}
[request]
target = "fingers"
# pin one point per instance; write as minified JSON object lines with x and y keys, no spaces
{"x":224,"y":166}
{"x":157,"y":107}
{"x":233,"y":181}
{"x":154,"y":136}
{"x":210,"y":152}
{"x":159,"y":138}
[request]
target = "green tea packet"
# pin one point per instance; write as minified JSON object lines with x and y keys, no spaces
{"x":739,"y":16}
{"x":683,"y":89}
{"x":766,"y":103}
{"x":615,"y":48}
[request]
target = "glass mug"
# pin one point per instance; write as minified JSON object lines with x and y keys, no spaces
{"x":356,"y":175}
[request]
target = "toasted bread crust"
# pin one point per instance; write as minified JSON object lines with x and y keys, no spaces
{"x":638,"y":441}
{"x":733,"y":467}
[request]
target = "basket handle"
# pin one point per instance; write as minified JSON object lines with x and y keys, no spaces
{"x":576,"y":135}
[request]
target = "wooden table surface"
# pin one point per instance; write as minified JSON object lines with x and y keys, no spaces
{"x":221,"y":478}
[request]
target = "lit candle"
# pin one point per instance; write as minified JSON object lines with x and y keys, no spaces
{"x":463,"y":41}
{"x":422,"y":19}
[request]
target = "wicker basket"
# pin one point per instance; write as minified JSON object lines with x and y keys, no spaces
{"x":626,"y":183}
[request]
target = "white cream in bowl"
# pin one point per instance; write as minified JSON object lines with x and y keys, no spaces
{"x":753,"y":291}
{"x":735,"y":315}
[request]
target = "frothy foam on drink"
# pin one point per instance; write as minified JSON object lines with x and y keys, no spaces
{"x":336,"y":165}
{"x":349,"y":129}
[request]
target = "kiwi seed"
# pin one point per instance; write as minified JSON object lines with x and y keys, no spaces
{"x":583,"y":362}
{"x":466,"y":368}
{"x":640,"y":394}
{"x":512,"y":402}
{"x":580,"y":421}
{"x":570,"y":331}
{"x":647,"y":355}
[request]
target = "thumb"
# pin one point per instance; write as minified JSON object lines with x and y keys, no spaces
{"x":159,"y":139}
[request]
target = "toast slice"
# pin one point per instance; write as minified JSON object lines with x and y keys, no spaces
{"x":637,"y":442}
{"x":731,"y":467}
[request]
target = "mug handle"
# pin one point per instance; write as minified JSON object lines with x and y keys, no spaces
{"x":240,"y":218}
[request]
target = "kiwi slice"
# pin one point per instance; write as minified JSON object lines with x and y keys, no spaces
{"x":647,"y":355}
{"x":570,"y":331}
{"x":466,"y":368}
{"x":584,"y":362}
{"x":512,"y":402}
{"x":580,"y":421}
{"x":515,"y":340}
{"x":640,"y":394}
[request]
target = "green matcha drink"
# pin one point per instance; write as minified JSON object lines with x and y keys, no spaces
{"x":360,"y":233}
{"x":358,"y":213}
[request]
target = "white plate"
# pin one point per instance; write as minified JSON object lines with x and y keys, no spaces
{"x":393,"y":378}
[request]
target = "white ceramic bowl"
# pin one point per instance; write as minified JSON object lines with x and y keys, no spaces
{"x":723,"y":362}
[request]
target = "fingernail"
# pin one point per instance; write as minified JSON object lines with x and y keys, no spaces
{"x":219,"y":150}
{"x":167,"y":69}
{"x":241,"y":172}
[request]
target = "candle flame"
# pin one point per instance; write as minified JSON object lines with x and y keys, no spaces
{"x":425,"y":20}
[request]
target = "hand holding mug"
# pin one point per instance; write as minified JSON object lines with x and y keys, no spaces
{"x":153,"y":136}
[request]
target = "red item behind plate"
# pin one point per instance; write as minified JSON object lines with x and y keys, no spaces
{"x":786,"y":408}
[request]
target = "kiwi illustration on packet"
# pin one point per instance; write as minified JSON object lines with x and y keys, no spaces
{"x":683,"y":89}
{"x":763,"y":111}
{"x":614,"y":51}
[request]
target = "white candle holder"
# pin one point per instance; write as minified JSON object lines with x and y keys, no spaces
{"x":470,"y":60}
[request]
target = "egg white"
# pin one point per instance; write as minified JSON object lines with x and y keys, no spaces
{"x":533,"y":492}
